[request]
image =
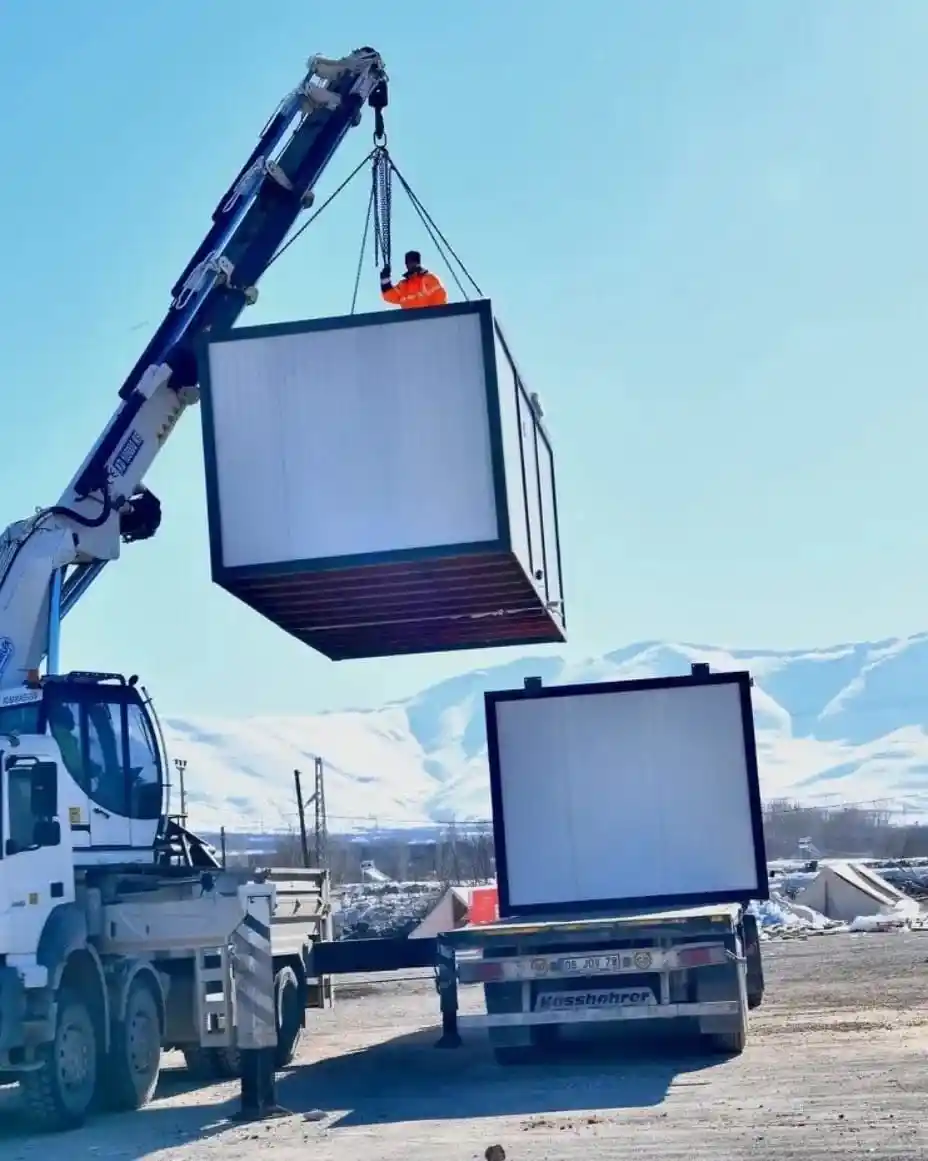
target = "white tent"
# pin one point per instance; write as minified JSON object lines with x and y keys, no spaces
{"x":844,"y":891}
{"x":449,"y":912}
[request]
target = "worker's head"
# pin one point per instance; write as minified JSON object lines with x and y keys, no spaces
{"x":413,"y":259}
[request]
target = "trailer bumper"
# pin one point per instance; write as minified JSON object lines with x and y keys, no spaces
{"x":602,"y":1015}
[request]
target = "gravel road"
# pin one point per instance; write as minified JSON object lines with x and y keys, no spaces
{"x":835,"y":1068}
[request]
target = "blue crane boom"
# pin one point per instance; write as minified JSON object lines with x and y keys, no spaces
{"x":49,"y":560}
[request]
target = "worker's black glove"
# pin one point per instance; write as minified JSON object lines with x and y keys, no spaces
{"x":385,"y":275}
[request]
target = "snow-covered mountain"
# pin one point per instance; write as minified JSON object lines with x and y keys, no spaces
{"x":847,"y":723}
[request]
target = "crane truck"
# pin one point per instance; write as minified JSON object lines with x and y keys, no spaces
{"x":115,"y":920}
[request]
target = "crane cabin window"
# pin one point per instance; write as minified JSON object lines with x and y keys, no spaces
{"x":17,"y":720}
{"x":108,"y":748}
{"x":144,"y":766}
{"x":104,"y":756}
{"x":63,"y":714}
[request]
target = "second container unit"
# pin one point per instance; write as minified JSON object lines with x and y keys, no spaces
{"x":382,"y":484}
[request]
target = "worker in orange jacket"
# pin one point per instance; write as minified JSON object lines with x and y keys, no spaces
{"x":417,"y":288}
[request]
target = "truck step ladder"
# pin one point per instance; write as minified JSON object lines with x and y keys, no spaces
{"x":213,"y":997}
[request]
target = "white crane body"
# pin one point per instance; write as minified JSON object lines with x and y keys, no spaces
{"x":111,"y":913}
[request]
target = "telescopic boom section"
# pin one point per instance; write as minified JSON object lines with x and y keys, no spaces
{"x":106,"y":502}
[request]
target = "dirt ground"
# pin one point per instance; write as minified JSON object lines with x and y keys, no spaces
{"x":835,"y":1068}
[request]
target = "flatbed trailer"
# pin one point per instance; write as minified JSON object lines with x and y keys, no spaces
{"x":694,"y":963}
{"x":699,"y":964}
{"x":628,"y":835}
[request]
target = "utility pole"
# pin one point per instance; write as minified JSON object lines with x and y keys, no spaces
{"x":321,"y":821}
{"x":301,"y":813}
{"x":180,"y":765}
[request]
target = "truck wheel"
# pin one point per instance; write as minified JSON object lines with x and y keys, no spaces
{"x":289,"y":1007}
{"x":227,"y":1063}
{"x":209,"y":1065}
{"x":58,"y":1095}
{"x":134,"y":1063}
{"x":199,"y":1064}
{"x":214,"y":1064}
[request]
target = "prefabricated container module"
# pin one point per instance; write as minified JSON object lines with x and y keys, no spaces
{"x":625,"y":795}
{"x":382,"y":483}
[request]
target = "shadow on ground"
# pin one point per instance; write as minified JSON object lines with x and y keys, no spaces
{"x":408,"y":1079}
{"x":403,"y":1079}
{"x":128,"y":1136}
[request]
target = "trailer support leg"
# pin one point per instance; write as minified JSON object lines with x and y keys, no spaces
{"x":258,"y":1087}
{"x":447,"y":982}
{"x":255,"y":1008}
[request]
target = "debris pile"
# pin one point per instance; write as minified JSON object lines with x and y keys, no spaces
{"x":779,"y":917}
{"x":390,"y":910}
{"x":907,"y":915}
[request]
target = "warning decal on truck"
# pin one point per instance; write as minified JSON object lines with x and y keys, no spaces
{"x":601,"y":998}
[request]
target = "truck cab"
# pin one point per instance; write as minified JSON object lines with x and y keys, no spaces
{"x":36,"y":856}
{"x":103,"y":740}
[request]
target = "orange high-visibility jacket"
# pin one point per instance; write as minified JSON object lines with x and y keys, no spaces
{"x":418,"y":289}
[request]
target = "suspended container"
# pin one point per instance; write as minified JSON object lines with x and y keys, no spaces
{"x":382,"y":484}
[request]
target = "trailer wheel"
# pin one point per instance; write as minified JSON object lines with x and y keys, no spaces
{"x":755,"y":963}
{"x":288,"y":1003}
{"x":134,"y":1063}
{"x":726,"y":1035}
{"x":730,"y":1043}
{"x":59,"y":1094}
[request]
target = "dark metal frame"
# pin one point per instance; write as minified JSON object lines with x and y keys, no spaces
{"x":227,"y":577}
{"x":576,"y":908}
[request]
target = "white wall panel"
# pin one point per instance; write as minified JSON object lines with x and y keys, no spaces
{"x":622,"y":795}
{"x":352,"y":440}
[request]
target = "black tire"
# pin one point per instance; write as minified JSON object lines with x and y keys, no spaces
{"x":210,"y":1065}
{"x":227,"y":1063}
{"x":199,"y":1064}
{"x":288,"y":1004}
{"x":728,"y":1036}
{"x":730,"y":1043}
{"x":60,"y":1093}
{"x":134,"y":1062}
{"x":755,"y":963}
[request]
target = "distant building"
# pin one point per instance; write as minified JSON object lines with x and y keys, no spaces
{"x":845,"y":891}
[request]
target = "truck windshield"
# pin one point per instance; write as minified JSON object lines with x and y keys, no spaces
{"x":20,"y":719}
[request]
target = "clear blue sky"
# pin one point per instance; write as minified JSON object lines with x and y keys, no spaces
{"x":703,"y":224}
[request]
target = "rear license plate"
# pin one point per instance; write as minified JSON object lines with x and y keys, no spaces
{"x":584,"y":964}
